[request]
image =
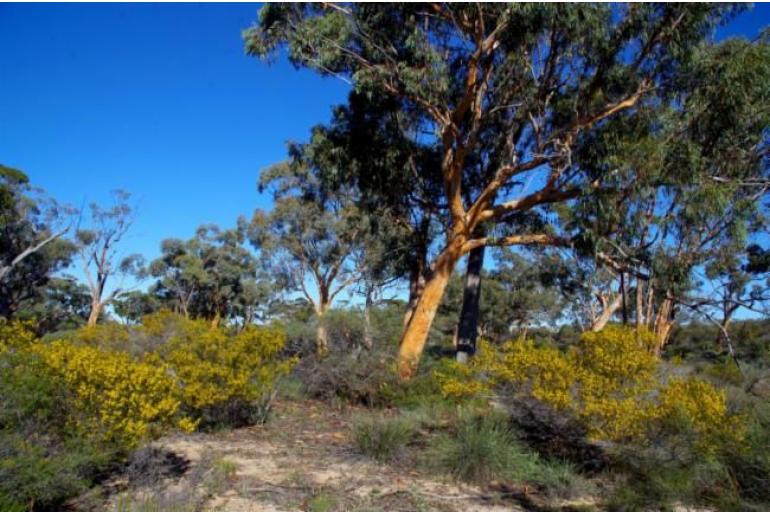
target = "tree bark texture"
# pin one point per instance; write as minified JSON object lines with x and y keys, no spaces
{"x":468,"y":325}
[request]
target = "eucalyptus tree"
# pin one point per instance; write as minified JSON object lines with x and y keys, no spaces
{"x":32,"y":244}
{"x":131,"y":306}
{"x":99,"y":248}
{"x":518,"y":88}
{"x":705,"y":159}
{"x":212,"y":276}
{"x":310,"y":237}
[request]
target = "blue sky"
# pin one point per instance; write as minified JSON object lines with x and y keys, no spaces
{"x":159,"y":100}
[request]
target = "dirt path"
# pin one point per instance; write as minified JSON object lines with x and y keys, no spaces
{"x":302,"y":460}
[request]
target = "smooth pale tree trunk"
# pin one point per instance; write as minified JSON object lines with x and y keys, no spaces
{"x":416,"y":333}
{"x":723,"y":337}
{"x":93,"y":316}
{"x":639,"y":305}
{"x":322,"y":338}
{"x":664,"y":324}
{"x":368,"y":338}
{"x":321,"y":334}
{"x":468,"y":325}
{"x":604,"y":317}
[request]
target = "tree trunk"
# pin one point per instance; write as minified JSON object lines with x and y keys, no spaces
{"x":468,"y":325}
{"x":639,"y":304}
{"x":216,"y":320}
{"x":416,"y":287}
{"x":93,"y":316}
{"x":368,"y":339}
{"x":723,"y":335}
{"x":623,"y":297}
{"x":321,"y":339}
{"x":321,"y":335}
{"x":664,"y":323}
{"x":416,"y":333}
{"x":604,"y":317}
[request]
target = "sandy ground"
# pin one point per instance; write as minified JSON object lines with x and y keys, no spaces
{"x":302,"y":460}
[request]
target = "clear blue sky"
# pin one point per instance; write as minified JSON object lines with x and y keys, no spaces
{"x":159,"y":100}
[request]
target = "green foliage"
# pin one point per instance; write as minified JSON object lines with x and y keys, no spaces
{"x":30,"y":250}
{"x":44,"y":460}
{"x":211,"y":276}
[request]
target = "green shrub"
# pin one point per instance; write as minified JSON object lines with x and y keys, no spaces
{"x":383,"y":438}
{"x":675,"y":470}
{"x":44,"y":460}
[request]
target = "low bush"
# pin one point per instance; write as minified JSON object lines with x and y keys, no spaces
{"x":222,"y":378}
{"x":130,"y":401}
{"x":608,"y":383}
{"x":70,"y":407}
{"x":44,"y":460}
{"x":355,"y":378}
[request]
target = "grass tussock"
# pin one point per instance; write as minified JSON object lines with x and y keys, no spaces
{"x":382,"y":438}
{"x":482,"y":448}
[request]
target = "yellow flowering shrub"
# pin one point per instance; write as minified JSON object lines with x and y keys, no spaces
{"x":213,"y":368}
{"x":15,"y":336}
{"x":608,"y":381}
{"x":130,"y":384}
{"x":133,"y":401}
{"x":704,"y":408}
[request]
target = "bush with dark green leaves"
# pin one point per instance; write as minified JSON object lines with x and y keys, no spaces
{"x":43,"y":461}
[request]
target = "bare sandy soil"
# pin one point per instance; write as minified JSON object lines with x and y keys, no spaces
{"x":302,"y":460}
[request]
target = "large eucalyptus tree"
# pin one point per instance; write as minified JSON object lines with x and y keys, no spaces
{"x":511,"y":94}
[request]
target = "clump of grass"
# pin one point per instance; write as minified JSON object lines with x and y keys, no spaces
{"x":323,"y":502}
{"x":220,"y":475}
{"x":383,"y":439}
{"x":480,"y":450}
{"x":483,"y":448}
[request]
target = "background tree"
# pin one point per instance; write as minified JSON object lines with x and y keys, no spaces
{"x":706,"y":169}
{"x":518,"y":295}
{"x":131,"y":306}
{"x":99,"y":249}
{"x":32,"y":247}
{"x":375,"y":148}
{"x":211,"y":276}
{"x":310,"y":236}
